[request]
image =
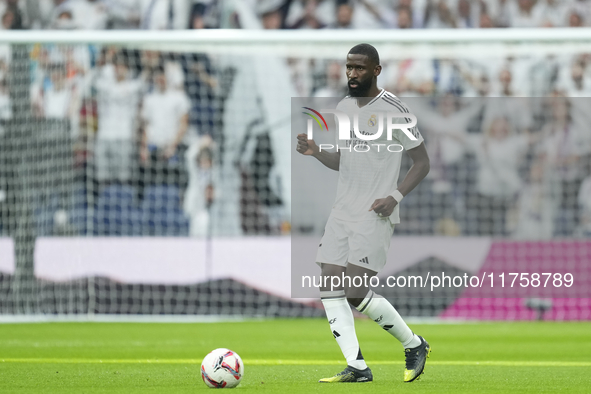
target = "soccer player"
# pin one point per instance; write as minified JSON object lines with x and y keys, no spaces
{"x":358,"y":232}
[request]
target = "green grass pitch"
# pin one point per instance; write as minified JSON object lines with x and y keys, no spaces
{"x":289,"y":356}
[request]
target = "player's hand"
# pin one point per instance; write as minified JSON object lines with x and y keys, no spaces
{"x":306,"y":146}
{"x":384,"y":207}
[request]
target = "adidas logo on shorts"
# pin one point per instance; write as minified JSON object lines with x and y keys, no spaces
{"x":364,"y":260}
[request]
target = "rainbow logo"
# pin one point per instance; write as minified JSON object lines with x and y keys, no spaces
{"x":315,"y":118}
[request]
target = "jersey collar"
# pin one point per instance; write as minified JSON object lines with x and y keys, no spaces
{"x":374,"y":99}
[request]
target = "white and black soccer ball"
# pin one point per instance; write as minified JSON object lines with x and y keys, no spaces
{"x":222,"y":368}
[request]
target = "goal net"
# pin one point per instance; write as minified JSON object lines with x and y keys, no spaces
{"x":151,"y":172}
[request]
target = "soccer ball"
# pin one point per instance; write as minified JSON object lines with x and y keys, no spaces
{"x":222,"y":368}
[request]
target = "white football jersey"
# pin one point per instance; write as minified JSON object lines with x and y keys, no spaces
{"x":369,"y":170}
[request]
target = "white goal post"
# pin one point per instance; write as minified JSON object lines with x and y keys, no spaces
{"x":413,"y":43}
{"x":223,"y":173}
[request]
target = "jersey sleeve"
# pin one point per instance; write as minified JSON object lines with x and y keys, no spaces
{"x":405,"y":140}
{"x":394,"y":104}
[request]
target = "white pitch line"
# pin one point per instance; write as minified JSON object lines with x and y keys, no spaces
{"x":293,"y":362}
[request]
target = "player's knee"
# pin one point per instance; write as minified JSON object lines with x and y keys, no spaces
{"x":354,"y":301}
{"x":354,"y":292}
{"x":356,"y":295}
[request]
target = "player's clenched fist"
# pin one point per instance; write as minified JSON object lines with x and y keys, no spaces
{"x":306,"y":146}
{"x":384,"y":206}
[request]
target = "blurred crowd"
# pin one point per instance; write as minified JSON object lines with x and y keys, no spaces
{"x":137,"y":121}
{"x":143,"y":119}
{"x":292,"y":14}
{"x":514,"y":167}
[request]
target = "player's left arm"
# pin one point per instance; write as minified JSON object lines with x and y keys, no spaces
{"x":417,"y":172}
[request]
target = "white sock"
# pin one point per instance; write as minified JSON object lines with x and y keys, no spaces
{"x":383,"y":313}
{"x":342,"y":326}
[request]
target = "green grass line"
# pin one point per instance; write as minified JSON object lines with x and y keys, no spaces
{"x":292,"y":362}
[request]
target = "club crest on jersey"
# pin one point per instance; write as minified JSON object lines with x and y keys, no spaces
{"x":373,"y":120}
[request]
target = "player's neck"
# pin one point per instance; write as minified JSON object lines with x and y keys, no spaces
{"x":371,"y":94}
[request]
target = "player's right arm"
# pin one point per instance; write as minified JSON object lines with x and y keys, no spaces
{"x":309,"y":148}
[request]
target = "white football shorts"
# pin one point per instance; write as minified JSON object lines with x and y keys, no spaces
{"x":364,"y":243}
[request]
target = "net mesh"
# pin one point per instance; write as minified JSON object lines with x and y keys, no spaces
{"x":138,"y":141}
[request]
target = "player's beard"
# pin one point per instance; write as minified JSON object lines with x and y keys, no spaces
{"x":362,"y":88}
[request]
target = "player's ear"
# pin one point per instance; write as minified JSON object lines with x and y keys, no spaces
{"x":377,"y":70}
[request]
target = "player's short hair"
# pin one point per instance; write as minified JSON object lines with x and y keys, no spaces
{"x":367,"y":50}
